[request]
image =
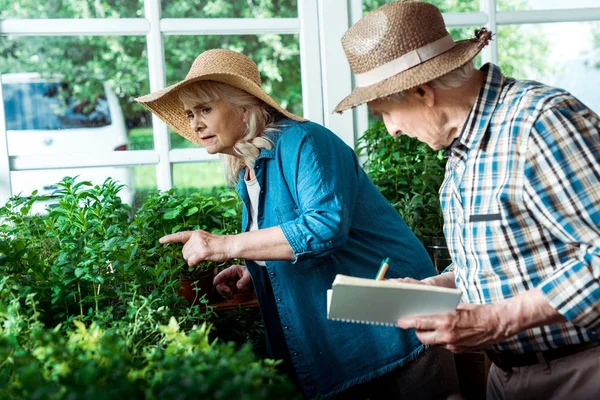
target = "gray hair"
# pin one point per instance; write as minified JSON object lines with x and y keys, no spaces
{"x":260,"y":118}
{"x":453,"y":79}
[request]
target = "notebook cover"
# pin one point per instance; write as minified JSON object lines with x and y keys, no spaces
{"x":369,"y":301}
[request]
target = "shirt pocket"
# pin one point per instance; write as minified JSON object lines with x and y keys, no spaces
{"x":486,"y":232}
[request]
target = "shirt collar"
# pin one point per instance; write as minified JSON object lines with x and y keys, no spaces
{"x":273,"y":136}
{"x":473,"y":130}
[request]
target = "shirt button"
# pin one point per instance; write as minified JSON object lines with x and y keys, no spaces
{"x":272,"y":273}
{"x":279,"y":299}
{"x":460,"y":220}
{"x":286,"y":328}
{"x":295,"y":354}
{"x":262,"y":191}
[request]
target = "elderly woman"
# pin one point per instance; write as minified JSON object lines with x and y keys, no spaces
{"x":310,"y":212}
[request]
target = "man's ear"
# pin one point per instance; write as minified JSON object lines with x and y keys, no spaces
{"x":426,"y":94}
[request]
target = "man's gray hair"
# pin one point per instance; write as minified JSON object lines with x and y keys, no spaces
{"x":453,"y":79}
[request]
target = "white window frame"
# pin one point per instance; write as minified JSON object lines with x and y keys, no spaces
{"x":326,"y":76}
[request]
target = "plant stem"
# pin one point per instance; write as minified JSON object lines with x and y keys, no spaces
{"x":95,"y":295}
{"x":80,"y":300}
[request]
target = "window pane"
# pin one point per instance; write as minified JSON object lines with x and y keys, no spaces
{"x":230,"y":9}
{"x":277,"y":57}
{"x":443,"y":5}
{"x":204,"y":175}
{"x":71,"y":9}
{"x":565,"y":55}
{"x":74,"y":95}
{"x":31,"y":104}
{"x":512,"y":5}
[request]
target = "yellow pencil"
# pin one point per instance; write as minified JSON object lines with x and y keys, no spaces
{"x":382,"y":269}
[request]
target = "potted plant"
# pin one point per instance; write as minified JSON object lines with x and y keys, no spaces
{"x":409,"y":174}
{"x":197,"y":281}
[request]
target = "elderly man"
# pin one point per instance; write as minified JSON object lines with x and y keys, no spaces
{"x":521,"y":199}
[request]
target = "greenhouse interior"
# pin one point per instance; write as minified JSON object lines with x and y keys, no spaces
{"x":290,"y":199}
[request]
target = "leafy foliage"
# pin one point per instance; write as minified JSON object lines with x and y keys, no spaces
{"x":409,"y":174}
{"x":90,"y":304}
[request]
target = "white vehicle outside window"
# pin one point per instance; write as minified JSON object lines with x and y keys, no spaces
{"x":40,"y":120}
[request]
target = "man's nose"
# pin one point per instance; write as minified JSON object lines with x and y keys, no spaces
{"x":391,"y":127}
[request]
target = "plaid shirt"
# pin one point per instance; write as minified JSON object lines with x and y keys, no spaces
{"x":521,"y":202}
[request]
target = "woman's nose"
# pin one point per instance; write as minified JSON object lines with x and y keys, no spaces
{"x":198,"y":125}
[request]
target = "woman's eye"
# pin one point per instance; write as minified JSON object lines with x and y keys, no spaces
{"x":189,"y":116}
{"x":206,"y":110}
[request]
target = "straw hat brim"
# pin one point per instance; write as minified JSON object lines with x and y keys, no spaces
{"x":459,"y":55}
{"x":167,"y":106}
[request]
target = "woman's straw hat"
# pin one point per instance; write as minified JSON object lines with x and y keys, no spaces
{"x":217,"y":65}
{"x":402,"y":45}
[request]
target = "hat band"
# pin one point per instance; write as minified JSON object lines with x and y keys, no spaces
{"x":404,"y":62}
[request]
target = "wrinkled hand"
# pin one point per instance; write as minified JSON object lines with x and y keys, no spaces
{"x":233,"y":279}
{"x":409,"y":280}
{"x":200,"y":246}
{"x":470,"y":327}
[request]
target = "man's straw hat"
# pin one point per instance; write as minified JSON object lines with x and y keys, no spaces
{"x":402,"y":45}
{"x":217,"y":65}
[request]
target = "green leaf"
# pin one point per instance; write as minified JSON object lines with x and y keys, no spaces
{"x":171,"y":214}
{"x":191,"y":211}
{"x":79,"y":272}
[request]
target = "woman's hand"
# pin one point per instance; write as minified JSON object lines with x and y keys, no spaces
{"x":233,"y":279}
{"x":200,"y":246}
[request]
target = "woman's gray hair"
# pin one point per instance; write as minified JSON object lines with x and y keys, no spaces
{"x":258,"y":117}
{"x":453,"y":79}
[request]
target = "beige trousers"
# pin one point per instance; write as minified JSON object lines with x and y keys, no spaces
{"x":574,"y":377}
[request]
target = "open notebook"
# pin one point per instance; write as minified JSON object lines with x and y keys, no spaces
{"x":370,"y":301}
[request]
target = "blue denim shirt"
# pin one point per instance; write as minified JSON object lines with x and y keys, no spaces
{"x":336,"y":222}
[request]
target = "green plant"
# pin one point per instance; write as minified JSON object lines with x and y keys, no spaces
{"x":91,"y":265}
{"x":168,"y":212}
{"x":409,"y":174}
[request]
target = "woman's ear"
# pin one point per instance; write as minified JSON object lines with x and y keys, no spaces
{"x":426,"y":94}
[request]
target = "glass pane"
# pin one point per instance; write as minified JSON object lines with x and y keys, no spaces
{"x":50,"y":105}
{"x":71,"y":9}
{"x":75,"y":95}
{"x":512,"y":5}
{"x":192,"y":176}
{"x":277,"y":57}
{"x":443,"y":5}
{"x":145,"y":182}
{"x":93,"y":112}
{"x":230,"y":9}
{"x":565,"y":55}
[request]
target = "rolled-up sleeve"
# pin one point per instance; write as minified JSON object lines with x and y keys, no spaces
{"x":562,"y":191}
{"x":322,"y":175}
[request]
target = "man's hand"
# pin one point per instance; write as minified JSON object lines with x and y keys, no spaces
{"x":233,"y":279}
{"x":468,"y":328}
{"x":200,"y":246}
{"x":444,"y":280}
{"x":475,"y":326}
